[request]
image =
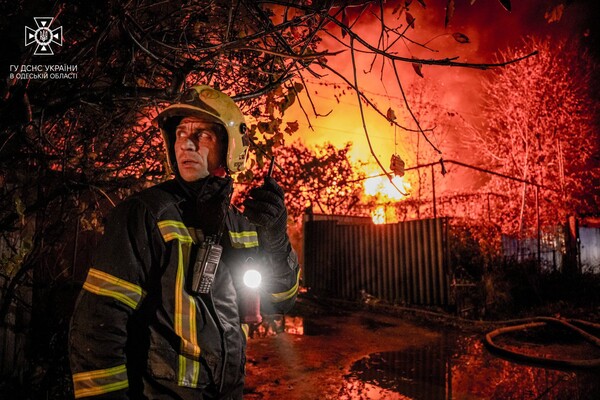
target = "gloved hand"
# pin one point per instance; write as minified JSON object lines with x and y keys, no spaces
{"x":265,"y":208}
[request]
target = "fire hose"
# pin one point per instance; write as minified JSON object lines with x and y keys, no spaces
{"x":542,"y":321}
{"x":518,"y":324}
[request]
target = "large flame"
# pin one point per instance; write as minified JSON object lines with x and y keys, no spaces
{"x":384,"y":214}
{"x":378,"y":215}
{"x":384,"y":192}
{"x":380,"y":187}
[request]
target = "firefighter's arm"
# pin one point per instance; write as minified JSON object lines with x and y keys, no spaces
{"x":113,"y":290}
{"x":265,"y":207}
{"x":280,"y":286}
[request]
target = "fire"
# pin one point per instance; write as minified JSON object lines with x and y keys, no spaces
{"x":380,"y":187}
{"x":378,"y":215}
{"x":384,"y":214}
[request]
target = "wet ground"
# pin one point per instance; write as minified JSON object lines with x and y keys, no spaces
{"x":324,"y":353}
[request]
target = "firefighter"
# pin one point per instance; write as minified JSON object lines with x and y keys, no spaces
{"x":140,"y":328}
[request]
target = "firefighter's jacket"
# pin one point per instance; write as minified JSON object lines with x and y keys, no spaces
{"x":137,"y":332}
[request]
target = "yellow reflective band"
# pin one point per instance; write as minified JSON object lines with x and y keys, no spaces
{"x":246,"y":330}
{"x":189,"y":372}
{"x":185,"y":325}
{"x":244,"y":239}
{"x":104,"y":284}
{"x":170,"y":230}
{"x":193,"y":349}
{"x":101,"y":381}
{"x":279,"y":297}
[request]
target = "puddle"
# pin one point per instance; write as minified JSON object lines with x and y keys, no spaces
{"x":293,"y":325}
{"x":461,"y":368}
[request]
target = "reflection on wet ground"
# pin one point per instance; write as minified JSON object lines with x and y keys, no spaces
{"x":293,"y":325}
{"x":460,"y":367}
{"x":296,"y":325}
{"x":454,"y":367}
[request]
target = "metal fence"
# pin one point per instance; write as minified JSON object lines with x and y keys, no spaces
{"x":403,"y":263}
{"x":552,"y":248}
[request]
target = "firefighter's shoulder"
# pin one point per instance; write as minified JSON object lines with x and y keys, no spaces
{"x":159,"y":198}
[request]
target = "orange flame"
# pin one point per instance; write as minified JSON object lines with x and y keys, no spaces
{"x":381,"y":188}
{"x":384,"y":192}
{"x":378,"y":215}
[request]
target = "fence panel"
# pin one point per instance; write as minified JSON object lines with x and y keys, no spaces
{"x":404,"y":263}
{"x":590,"y":249}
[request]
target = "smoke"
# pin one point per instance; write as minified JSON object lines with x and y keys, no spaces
{"x":378,"y":82}
{"x":489,"y":28}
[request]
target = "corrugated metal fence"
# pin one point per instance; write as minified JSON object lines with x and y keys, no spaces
{"x":403,"y":263}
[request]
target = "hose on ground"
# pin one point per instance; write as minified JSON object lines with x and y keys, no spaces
{"x":489,"y":337}
{"x":539,"y":322}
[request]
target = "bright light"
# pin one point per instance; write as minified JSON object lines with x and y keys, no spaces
{"x":252,"y":278}
{"x":384,"y":214}
{"x":383,"y":191}
{"x":378,"y":215}
{"x":380,"y":187}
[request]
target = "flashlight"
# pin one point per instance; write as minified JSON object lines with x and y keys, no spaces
{"x":250,"y":297}
{"x":252,"y":278}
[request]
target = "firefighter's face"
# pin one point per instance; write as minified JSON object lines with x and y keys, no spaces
{"x":198,"y":150}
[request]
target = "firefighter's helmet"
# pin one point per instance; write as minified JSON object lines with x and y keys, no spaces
{"x":205,"y":102}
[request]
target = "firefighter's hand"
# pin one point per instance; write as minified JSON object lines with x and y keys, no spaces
{"x":265,"y":208}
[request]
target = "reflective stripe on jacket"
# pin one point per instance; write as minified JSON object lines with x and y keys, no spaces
{"x":137,"y":332}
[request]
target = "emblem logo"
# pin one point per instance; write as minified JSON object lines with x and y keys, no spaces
{"x":43,"y":36}
{"x":209,"y":94}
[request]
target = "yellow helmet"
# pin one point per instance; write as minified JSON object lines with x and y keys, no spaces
{"x":205,"y":102}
